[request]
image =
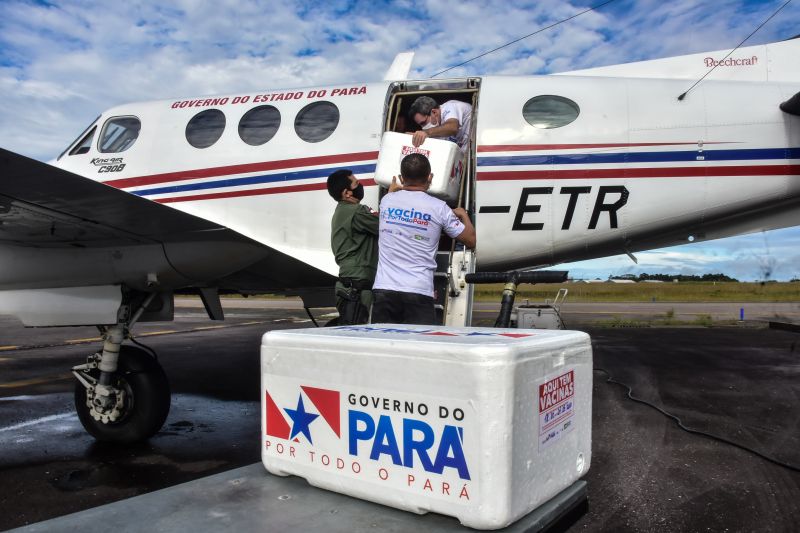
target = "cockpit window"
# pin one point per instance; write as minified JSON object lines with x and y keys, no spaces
{"x":85,"y":145}
{"x":549,"y":111}
{"x":316,"y":122}
{"x":119,"y":134}
{"x":205,"y":128}
{"x":259,"y":125}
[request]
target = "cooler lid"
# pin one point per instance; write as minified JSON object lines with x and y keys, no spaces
{"x":476,"y":344}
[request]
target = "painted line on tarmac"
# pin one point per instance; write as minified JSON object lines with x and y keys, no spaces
{"x":50,"y":418}
{"x":162,"y":332}
{"x":81,"y":341}
{"x":34,"y":381}
{"x":73,"y":342}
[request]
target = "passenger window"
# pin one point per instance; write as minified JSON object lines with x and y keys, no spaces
{"x":549,"y":111}
{"x":259,"y":125}
{"x":119,"y":134}
{"x":205,"y":128}
{"x":316,"y":122}
{"x":85,"y":145}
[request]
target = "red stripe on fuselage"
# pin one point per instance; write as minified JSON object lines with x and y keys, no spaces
{"x":252,"y":192}
{"x":524,"y":147}
{"x":603,"y":173}
{"x":649,"y":172}
{"x":240,"y":169}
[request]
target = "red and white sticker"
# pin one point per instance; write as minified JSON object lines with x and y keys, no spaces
{"x":413,"y":150}
{"x":556,"y":408}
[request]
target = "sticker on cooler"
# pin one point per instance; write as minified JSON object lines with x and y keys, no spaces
{"x":556,"y":408}
{"x":414,"y":150}
{"x":415,"y":443}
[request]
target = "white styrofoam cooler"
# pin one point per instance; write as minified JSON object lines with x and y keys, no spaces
{"x":482,"y":424}
{"x":444,"y":156}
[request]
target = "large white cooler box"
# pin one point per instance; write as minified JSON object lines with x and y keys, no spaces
{"x":444,"y":156}
{"x":482,"y":424}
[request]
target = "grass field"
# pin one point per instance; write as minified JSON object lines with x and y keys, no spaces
{"x":688,"y":291}
{"x":651,"y":292}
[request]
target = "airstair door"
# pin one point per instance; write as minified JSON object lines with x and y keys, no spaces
{"x":454,"y":182}
{"x":454,"y":293}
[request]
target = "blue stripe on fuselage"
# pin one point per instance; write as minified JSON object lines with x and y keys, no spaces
{"x":642,"y":157}
{"x":251,"y":180}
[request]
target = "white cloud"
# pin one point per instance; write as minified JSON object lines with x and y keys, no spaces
{"x":84,"y":56}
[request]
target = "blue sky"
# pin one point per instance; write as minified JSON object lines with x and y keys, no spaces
{"x":63,"y":62}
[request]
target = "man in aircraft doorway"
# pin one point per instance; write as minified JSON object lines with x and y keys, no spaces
{"x":354,"y":242}
{"x":411,"y":223}
{"x":450,"y":121}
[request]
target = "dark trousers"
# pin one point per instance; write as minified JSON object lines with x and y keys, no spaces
{"x":353,"y":300}
{"x":393,"y":307}
{"x":351,"y":312}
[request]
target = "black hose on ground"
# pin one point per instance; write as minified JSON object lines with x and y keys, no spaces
{"x":690,"y":430}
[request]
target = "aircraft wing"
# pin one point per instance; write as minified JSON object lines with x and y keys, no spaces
{"x":58,"y":229}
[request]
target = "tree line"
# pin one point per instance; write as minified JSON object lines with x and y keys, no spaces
{"x":673,"y":277}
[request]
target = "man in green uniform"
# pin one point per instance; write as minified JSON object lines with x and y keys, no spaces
{"x":354,"y":241}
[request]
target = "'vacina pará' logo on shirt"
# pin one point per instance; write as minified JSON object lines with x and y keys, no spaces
{"x":408,"y":216}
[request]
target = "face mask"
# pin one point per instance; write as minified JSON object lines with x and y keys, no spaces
{"x":429,"y":125}
{"x":358,"y":192}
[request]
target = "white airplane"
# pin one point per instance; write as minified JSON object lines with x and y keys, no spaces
{"x":228,"y":192}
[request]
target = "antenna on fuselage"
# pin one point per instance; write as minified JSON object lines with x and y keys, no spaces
{"x":593,"y":8}
{"x":682,"y":96}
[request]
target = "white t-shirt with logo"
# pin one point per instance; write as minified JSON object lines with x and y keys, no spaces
{"x":410,"y":226}
{"x":462,"y":112}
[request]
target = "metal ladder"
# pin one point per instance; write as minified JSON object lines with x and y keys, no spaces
{"x":453,"y":295}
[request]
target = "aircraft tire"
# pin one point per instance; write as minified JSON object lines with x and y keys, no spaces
{"x":146,"y":406}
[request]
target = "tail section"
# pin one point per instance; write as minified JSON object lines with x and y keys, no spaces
{"x":400,"y":67}
{"x":766,"y":62}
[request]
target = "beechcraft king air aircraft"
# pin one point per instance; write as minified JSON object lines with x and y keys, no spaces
{"x":228,"y":192}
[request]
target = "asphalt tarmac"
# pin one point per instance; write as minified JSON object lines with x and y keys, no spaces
{"x":740,"y":383}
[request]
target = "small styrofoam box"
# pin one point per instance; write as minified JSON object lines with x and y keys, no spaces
{"x":482,"y":424}
{"x":444,"y":156}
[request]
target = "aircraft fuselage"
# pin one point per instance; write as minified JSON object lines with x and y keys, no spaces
{"x":635,"y":169}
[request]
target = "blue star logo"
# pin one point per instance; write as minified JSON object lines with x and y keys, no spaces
{"x":300,"y":420}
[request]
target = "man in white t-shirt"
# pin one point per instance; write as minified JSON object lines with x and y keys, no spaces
{"x":451,"y":121}
{"x":411,"y":223}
